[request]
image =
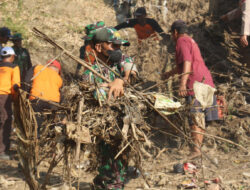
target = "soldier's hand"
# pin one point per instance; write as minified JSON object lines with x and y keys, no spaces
{"x":116,"y":88}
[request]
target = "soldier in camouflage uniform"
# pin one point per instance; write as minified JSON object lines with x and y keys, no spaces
{"x":22,"y":58}
{"x":106,"y":44}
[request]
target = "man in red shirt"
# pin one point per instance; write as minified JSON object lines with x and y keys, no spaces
{"x":189,"y":60}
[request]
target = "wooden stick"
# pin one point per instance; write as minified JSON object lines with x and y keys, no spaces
{"x":119,"y":153}
{"x":160,"y":83}
{"x":79,"y":119}
{"x":134,"y":131}
{"x":158,"y":155}
{"x":45,"y":66}
{"x":78,"y":60}
{"x":222,"y":139}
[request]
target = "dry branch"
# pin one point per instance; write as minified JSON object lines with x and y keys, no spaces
{"x":79,"y":119}
{"x":222,"y":139}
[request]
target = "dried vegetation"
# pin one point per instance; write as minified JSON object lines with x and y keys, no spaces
{"x":64,"y":22}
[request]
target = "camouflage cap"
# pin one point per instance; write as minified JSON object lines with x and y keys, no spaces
{"x":110,"y":35}
{"x":17,"y":36}
{"x":90,"y":29}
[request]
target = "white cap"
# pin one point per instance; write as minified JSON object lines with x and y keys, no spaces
{"x":7,"y":51}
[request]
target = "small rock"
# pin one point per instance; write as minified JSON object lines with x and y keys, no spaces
{"x":145,"y":186}
{"x":162,"y":182}
{"x":216,"y":161}
{"x":246,"y":174}
{"x":213,"y":187}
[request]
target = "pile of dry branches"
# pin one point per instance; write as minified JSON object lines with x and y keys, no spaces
{"x":119,"y":123}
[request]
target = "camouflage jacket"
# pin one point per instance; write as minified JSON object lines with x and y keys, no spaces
{"x":126,"y":64}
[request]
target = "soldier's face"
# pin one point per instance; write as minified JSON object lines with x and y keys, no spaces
{"x":109,"y":46}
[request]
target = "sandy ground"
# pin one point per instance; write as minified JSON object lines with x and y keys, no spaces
{"x":233,"y":170}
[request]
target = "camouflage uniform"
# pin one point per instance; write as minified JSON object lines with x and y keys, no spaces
{"x":125,"y":65}
{"x":22,"y":58}
{"x":111,"y":172}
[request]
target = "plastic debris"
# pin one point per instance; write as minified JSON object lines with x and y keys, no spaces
{"x":216,"y":180}
{"x":189,"y":168}
{"x":188,"y":184}
{"x":165,"y":104}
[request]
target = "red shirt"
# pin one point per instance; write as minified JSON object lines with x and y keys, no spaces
{"x":144,"y":32}
{"x":188,"y":50}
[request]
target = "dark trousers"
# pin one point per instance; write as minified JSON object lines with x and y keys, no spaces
{"x":41,"y":106}
{"x":5,"y":122}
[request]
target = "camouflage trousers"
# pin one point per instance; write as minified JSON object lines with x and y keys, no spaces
{"x":111,"y":173}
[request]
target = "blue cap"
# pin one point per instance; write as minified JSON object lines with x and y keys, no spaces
{"x":4,"y":31}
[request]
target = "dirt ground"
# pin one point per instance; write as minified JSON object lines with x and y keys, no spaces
{"x":233,"y":169}
{"x":219,"y":43}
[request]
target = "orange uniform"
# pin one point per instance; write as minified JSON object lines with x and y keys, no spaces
{"x":46,"y":85}
{"x":9,"y":76}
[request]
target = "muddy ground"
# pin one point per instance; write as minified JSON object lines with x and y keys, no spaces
{"x":219,"y":44}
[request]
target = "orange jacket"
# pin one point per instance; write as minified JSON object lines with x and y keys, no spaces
{"x":9,"y":76}
{"x":46,"y":85}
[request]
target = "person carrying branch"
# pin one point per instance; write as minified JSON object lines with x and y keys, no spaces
{"x":190,"y":61}
{"x":106,"y":44}
{"x":144,"y":27}
{"x":9,"y":81}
